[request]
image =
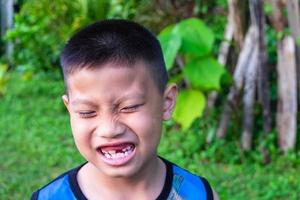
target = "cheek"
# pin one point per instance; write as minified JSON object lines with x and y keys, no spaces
{"x":146,"y":126}
{"x":80,"y":131}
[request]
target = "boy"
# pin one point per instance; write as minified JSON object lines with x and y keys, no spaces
{"x":117,"y":98}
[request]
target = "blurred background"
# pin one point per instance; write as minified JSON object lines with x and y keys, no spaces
{"x":236,"y":62}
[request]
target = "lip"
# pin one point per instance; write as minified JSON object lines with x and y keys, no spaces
{"x":116,"y":161}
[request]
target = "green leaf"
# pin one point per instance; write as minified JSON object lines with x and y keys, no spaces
{"x":170,"y":43}
{"x":204,"y":73}
{"x":268,"y":8}
{"x":197,"y":38}
{"x":190,"y":105}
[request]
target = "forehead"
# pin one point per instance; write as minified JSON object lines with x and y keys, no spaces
{"x":110,"y":82}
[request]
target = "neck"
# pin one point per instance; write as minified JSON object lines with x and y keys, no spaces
{"x":147,"y":183}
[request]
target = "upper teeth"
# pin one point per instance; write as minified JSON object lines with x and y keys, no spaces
{"x":113,"y":154}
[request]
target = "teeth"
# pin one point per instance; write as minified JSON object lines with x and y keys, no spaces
{"x":126,"y":149}
{"x":113,"y":155}
{"x":107,"y":155}
{"x":112,"y":152}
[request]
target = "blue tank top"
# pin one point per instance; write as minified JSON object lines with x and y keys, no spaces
{"x":179,"y":184}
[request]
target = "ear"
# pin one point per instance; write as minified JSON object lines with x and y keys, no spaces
{"x":169,"y":101}
{"x":65,"y":99}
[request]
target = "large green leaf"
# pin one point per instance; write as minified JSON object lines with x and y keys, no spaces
{"x":197,"y":38}
{"x":170,"y":43}
{"x":204,"y":73}
{"x":190,"y":105}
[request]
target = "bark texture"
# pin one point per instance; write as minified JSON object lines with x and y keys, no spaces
{"x":242,"y":64}
{"x":6,"y":24}
{"x":263,"y":67}
{"x":236,"y":17}
{"x":294,"y":24}
{"x":287,"y":97}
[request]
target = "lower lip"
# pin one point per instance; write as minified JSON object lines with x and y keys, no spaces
{"x":117,"y":161}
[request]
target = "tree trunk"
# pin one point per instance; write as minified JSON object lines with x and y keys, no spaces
{"x":251,"y":79}
{"x":249,"y":99}
{"x":286,"y":68}
{"x":224,"y":51}
{"x":276,"y":17}
{"x":294,"y":24}
{"x":249,"y":95}
{"x":287,"y":97}
{"x":225,"y":45}
{"x":263,"y":70}
{"x":239,"y":73}
{"x":6,"y":24}
{"x":237,"y":23}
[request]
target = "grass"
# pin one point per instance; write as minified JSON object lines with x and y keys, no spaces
{"x":36,"y":146}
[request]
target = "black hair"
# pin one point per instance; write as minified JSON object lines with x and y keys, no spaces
{"x":115,"y":41}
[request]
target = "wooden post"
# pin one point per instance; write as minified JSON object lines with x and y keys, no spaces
{"x":6,"y":24}
{"x":249,"y":95}
{"x":287,"y":98}
{"x":250,"y":85}
{"x":239,"y":74}
{"x":258,"y":18}
{"x":286,"y":115}
{"x":294,"y":24}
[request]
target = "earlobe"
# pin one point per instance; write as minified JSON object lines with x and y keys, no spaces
{"x":169,"y":101}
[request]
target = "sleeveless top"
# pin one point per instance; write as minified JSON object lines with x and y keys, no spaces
{"x":179,"y":184}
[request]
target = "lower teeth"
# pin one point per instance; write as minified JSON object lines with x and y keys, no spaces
{"x":117,"y":155}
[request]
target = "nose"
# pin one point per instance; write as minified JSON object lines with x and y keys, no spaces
{"x":109,"y":127}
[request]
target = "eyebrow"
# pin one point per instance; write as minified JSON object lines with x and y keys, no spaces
{"x":134,"y":96}
{"x":90,"y":103}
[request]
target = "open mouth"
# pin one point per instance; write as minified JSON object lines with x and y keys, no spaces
{"x":117,"y":154}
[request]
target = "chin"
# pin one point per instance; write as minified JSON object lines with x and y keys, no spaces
{"x":119,"y":173}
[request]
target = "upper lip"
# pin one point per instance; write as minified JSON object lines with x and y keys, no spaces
{"x":112,"y":144}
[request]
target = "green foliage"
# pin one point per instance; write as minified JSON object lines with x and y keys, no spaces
{"x":94,"y":9}
{"x":193,"y":41}
{"x":42,"y":27}
{"x":197,"y":38}
{"x":190,"y":37}
{"x":188,"y":99}
{"x":35,"y":132}
{"x":170,"y":43}
{"x":125,"y":9}
{"x":3,"y":78}
{"x":233,"y":173}
{"x":204,"y":73}
{"x":268,"y":8}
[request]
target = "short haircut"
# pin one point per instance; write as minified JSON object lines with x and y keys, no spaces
{"x":115,"y":41}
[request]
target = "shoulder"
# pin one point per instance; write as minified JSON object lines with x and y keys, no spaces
{"x":59,"y":188}
{"x":188,"y":185}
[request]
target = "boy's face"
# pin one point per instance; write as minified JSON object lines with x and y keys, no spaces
{"x":116,"y":115}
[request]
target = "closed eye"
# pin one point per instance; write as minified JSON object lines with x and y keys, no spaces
{"x":87,"y":114}
{"x":131,"y":109}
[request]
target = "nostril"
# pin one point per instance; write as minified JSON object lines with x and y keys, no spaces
{"x":110,"y":130}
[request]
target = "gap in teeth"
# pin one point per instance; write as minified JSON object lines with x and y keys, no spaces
{"x":112,"y":154}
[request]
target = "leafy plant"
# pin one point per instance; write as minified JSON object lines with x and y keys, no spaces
{"x":3,"y":78}
{"x":192,"y":41}
{"x":42,"y":27}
